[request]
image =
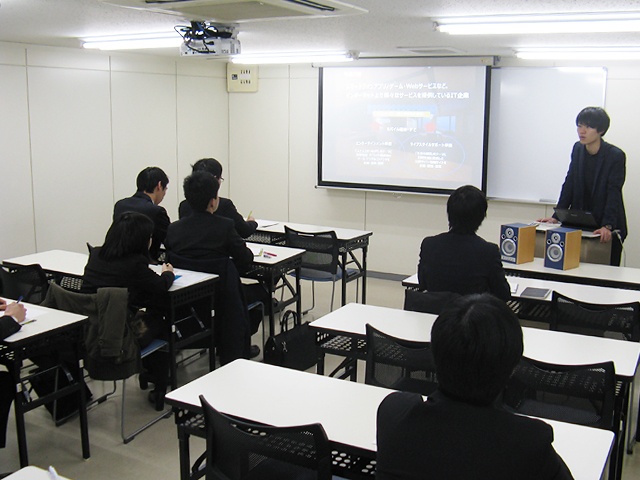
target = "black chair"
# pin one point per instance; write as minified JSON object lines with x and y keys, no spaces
{"x":399,"y":364}
{"x":427,"y":302}
{"x":240,"y":450}
{"x":581,"y":394}
{"x":26,"y":281}
{"x":620,"y":321}
{"x":320,"y":262}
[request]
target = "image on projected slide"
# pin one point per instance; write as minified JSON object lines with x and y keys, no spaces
{"x":407,"y":127}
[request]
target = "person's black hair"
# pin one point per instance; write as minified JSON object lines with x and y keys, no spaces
{"x":149,"y":178}
{"x":128,"y":234}
{"x":211,"y":165}
{"x":594,"y":117}
{"x":476,"y":343}
{"x":466,"y":209}
{"x":199,"y":188}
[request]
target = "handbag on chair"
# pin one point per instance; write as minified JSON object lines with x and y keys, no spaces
{"x":294,"y":347}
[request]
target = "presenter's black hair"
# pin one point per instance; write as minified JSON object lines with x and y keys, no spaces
{"x":129,"y":234}
{"x":199,"y":188}
{"x":149,"y":178}
{"x":211,"y":165}
{"x":594,"y":117}
{"x":466,"y":209}
{"x":476,"y":343}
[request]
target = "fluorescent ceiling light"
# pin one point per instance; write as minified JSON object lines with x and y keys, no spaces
{"x":134,"y":41}
{"x":294,"y":57}
{"x":552,"y":23}
{"x":579,"y":53}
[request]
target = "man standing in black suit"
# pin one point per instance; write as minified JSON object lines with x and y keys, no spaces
{"x":458,"y":433}
{"x":152,"y":185}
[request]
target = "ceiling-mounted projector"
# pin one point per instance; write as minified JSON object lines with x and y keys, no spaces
{"x":206,"y":38}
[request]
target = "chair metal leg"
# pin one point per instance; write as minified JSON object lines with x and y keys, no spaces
{"x":126,"y":438}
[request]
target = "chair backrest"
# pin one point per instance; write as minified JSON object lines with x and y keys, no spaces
{"x":581,"y":394}
{"x":427,"y":302}
{"x":399,"y":364}
{"x":614,"y":320}
{"x":26,"y":281}
{"x":322,"y":248}
{"x":238,"y":450}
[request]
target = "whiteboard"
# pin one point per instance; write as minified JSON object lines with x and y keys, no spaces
{"x":532,"y":128}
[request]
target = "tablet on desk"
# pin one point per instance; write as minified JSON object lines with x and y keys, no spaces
{"x":535,"y":292}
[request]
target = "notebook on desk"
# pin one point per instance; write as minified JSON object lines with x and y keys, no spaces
{"x":571,"y":217}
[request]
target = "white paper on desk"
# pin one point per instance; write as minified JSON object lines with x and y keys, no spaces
{"x":256,"y":250}
{"x":547,"y":226}
{"x":188,"y":277}
{"x":33,"y":312}
{"x":514,"y":287}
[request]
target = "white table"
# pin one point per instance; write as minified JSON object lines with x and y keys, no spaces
{"x":272,"y":269}
{"x":349,"y":241}
{"x":577,"y":291}
{"x":265,"y":394}
{"x":54,"y":261}
{"x":586,"y":273}
{"x":190,"y":289}
{"x":343,"y":332}
{"x":544,"y":345}
{"x":48,"y":330}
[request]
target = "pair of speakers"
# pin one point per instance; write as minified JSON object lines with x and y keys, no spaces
{"x":562,"y":245}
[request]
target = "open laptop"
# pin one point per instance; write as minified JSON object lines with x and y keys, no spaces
{"x":571,"y":217}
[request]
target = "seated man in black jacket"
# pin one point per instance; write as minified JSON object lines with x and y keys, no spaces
{"x":14,"y":313}
{"x":152,"y":184}
{"x":204,"y":236}
{"x":458,"y":433}
{"x":226,"y":208}
{"x":459,"y":260}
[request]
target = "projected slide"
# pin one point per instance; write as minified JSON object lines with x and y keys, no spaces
{"x":402,"y":128}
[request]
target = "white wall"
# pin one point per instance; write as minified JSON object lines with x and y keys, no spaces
{"x":77,"y":126}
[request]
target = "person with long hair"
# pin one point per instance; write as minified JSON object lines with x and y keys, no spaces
{"x":123,"y":261}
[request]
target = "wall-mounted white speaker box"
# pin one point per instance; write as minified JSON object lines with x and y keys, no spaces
{"x":517,"y":242}
{"x":562,"y":248}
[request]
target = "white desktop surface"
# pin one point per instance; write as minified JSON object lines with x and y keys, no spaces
{"x":46,"y":319}
{"x":347,"y":410}
{"x":544,"y":345}
{"x":341,"y":233}
{"x":280,"y":253}
{"x":577,"y":291}
{"x":283,"y":397}
{"x":62,"y":261}
{"x":186,"y":277}
{"x":584,"y":270}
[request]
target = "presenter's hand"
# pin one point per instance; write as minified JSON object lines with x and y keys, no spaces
{"x":167,"y":267}
{"x":548,"y":220}
{"x":605,"y":234}
{"x":16,"y":310}
{"x":3,"y":304}
{"x":250,"y":218}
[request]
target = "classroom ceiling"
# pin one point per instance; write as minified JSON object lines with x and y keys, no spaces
{"x":388,"y":28}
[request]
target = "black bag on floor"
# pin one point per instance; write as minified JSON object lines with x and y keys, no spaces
{"x":294,"y":347}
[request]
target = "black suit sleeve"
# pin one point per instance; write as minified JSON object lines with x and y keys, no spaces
{"x":243,"y":227}
{"x":498,"y":284}
{"x":615,"y":180}
{"x":8,"y":326}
